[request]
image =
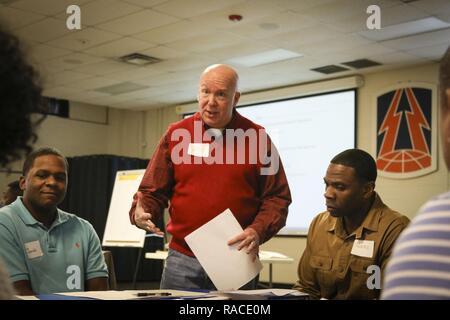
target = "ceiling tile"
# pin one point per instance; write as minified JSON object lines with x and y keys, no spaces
{"x":134,"y":73}
{"x":395,"y":58}
{"x":364,"y":51}
{"x":86,"y":94}
{"x":71,"y":61}
{"x":185,"y":62}
{"x":337,"y":10}
{"x":274,"y":24}
{"x":170,"y":78}
{"x":79,"y":40}
{"x":101,"y":11}
{"x":333,"y":45}
{"x":315,"y":34}
{"x":139,"y":94}
{"x":59,"y":91}
{"x":163,"y":52}
{"x":420,"y":40}
{"x":132,"y":104}
{"x":42,"y":52}
{"x":401,"y":13}
{"x":349,"y":24}
{"x":118,"y":48}
{"x":238,"y":50}
{"x":146,"y":3}
{"x":206,"y":42}
{"x":431,"y":6}
{"x":46,"y":7}
{"x":65,"y":77}
{"x":431,"y":52}
{"x":190,"y":8}
{"x":137,"y":22}
{"x":444,"y":16}
{"x":173,"y":32}
{"x":14,"y":18}
{"x":105,"y":67}
{"x":92,"y":83}
{"x":44,"y":30}
{"x":300,"y":6}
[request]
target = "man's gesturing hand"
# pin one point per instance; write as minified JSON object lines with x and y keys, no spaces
{"x":143,"y":219}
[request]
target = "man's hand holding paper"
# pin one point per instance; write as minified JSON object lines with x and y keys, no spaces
{"x":227,"y":266}
{"x":249,"y":239}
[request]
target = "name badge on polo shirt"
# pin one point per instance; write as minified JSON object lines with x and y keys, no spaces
{"x":198,"y":149}
{"x":33,"y":249}
{"x":363,"y":248}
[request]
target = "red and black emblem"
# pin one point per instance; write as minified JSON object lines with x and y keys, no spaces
{"x":404,"y":132}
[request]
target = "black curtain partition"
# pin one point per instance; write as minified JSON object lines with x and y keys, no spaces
{"x":91,"y":182}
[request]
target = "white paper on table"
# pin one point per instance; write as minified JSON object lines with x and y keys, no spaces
{"x":228,"y":268}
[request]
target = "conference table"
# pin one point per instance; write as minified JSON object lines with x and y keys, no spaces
{"x":269,"y":257}
{"x":167,"y":294}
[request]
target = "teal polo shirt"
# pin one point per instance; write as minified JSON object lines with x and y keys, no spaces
{"x":58,"y":259}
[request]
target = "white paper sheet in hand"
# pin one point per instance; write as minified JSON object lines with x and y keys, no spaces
{"x":228,"y":268}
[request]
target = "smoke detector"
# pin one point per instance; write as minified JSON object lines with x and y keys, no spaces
{"x":235,"y":17}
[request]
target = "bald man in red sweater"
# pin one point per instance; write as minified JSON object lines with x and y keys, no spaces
{"x":214,"y":160}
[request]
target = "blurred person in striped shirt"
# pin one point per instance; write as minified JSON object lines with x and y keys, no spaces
{"x":419,"y":268}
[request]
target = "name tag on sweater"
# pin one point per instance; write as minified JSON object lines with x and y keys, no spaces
{"x":363,"y":248}
{"x":33,"y":249}
{"x":198,"y":149}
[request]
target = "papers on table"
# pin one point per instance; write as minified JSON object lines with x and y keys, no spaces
{"x":263,"y":294}
{"x":266,"y":294}
{"x":228,"y":268}
{"x":127,"y":295}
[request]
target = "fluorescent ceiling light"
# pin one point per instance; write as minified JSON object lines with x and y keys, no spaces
{"x":405,"y":29}
{"x":265,"y":57}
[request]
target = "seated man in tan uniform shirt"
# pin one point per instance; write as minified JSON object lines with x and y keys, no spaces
{"x":356,"y":232}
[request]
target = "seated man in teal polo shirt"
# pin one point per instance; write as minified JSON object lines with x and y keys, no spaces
{"x":45,"y":249}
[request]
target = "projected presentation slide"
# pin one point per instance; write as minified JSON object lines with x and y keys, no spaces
{"x":308,"y":132}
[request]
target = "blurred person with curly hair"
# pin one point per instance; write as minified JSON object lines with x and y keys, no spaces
{"x":20,"y":95}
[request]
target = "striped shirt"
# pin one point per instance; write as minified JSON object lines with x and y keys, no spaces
{"x":420,"y":264}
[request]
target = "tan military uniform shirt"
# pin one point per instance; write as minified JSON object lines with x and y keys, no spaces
{"x":329,"y":270}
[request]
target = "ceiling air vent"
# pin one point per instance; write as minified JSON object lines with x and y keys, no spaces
{"x":139,"y":59}
{"x":361,"y":63}
{"x":330,"y":69}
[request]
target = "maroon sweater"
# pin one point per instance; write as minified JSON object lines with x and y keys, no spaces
{"x":199,"y":192}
